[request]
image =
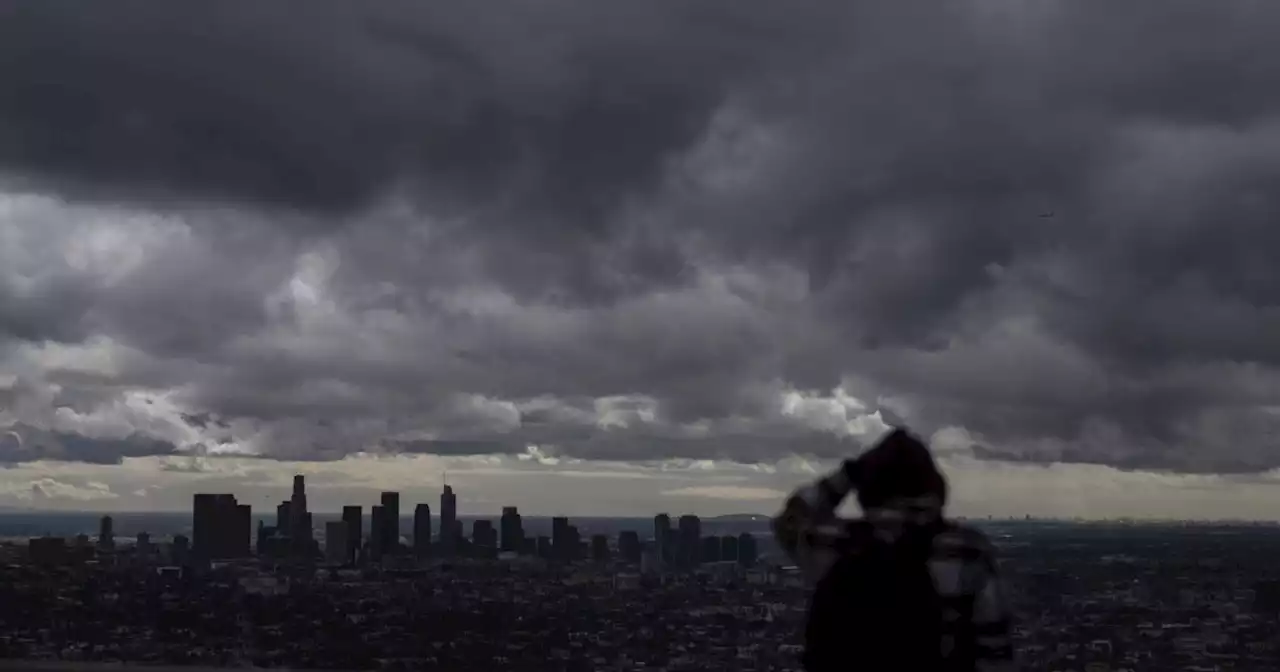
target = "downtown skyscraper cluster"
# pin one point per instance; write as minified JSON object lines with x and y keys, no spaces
{"x":221,"y":530}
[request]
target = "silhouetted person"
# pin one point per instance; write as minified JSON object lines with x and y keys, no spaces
{"x":901,"y":588}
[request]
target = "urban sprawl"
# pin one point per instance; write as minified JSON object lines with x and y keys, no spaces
{"x":1090,"y":597}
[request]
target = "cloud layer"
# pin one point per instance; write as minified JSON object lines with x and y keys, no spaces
{"x":621,"y":232}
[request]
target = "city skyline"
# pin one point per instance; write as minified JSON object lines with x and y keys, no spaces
{"x":222,"y":528}
{"x":623,"y":490}
{"x":667,"y":256}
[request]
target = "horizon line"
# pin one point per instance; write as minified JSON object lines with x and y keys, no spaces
{"x":638,"y":516}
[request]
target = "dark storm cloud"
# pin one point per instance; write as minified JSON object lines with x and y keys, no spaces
{"x":563,"y":105}
{"x":762,"y":444}
{"x":1048,"y":223}
{"x":540,"y":121}
{"x":748,"y":447}
{"x":37,"y":444}
{"x":457,"y":447}
{"x":53,"y":312}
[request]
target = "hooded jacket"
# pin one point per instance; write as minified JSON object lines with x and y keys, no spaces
{"x":901,"y":492}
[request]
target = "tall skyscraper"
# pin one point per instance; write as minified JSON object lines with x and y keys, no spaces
{"x":690,"y":540}
{"x":284,"y":518}
{"x":560,"y":538}
{"x":629,"y":547}
{"x":336,"y":548}
{"x":377,"y":521}
{"x":458,"y":535}
{"x":747,"y":550}
{"x":728,"y":548}
{"x":204,"y":525}
{"x":49,"y":551}
{"x":661,"y":537}
{"x":180,"y":550}
{"x":353,"y":516}
{"x":576,"y":547}
{"x":391,"y":522}
{"x":300,"y":527}
{"x":240,"y":543}
{"x":710,"y":549}
{"x":221,"y":527}
{"x":300,"y":490}
{"x":600,"y":548}
{"x":483,"y":534}
{"x":649,"y":564}
{"x":448,"y":520}
{"x":512,"y":530}
{"x":106,"y":533}
{"x":422,"y":530}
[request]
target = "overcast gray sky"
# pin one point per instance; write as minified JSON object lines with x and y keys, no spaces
{"x":620,"y":257}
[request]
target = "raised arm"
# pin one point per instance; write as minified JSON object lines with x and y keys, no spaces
{"x":806,"y":525}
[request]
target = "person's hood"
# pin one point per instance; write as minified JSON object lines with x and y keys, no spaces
{"x":900,"y":484}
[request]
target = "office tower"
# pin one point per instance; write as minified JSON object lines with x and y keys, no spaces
{"x":179,"y":550}
{"x":391,"y":522}
{"x":600,"y":548}
{"x":649,"y":563}
{"x":512,"y":530}
{"x":377,"y":522}
{"x":560,"y":538}
{"x":106,"y":533}
{"x":263,"y":539}
{"x":240,"y":530}
{"x":204,"y":525}
{"x":575,"y":544}
{"x":483,"y":534}
{"x":47,"y":551}
{"x":747,"y":550}
{"x":353,"y":516}
{"x":300,"y":490}
{"x":336,"y":548}
{"x":301,"y":531}
{"x":728,"y":548}
{"x":710,"y":549}
{"x":422,"y":530}
{"x":629,"y":546}
{"x":142,"y":544}
{"x":690,"y":539}
{"x":661,"y":537}
{"x":448,"y":521}
{"x":284,"y":518}
{"x":220,"y":528}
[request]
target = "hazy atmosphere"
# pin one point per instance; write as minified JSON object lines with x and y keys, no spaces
{"x":614,"y":258}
